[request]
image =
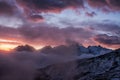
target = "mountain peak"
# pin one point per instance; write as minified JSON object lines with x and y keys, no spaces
{"x":25,"y":48}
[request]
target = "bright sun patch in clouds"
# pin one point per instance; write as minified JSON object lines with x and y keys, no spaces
{"x":7,"y":45}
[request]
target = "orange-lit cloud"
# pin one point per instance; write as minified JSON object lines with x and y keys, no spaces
{"x":42,"y":35}
{"x":8,"y":45}
{"x":35,"y":29}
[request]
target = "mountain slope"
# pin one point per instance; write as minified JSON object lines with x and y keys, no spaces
{"x":103,"y":67}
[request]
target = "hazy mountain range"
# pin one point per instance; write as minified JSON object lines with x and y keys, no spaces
{"x":70,"y":62}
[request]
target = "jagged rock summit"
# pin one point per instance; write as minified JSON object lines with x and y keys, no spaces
{"x":27,"y":48}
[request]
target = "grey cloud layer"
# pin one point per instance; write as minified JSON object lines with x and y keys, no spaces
{"x":24,"y":65}
{"x":106,"y":39}
{"x":8,"y":32}
{"x":45,"y":34}
{"x":54,"y":35}
{"x":49,"y":35}
{"x":108,"y":27}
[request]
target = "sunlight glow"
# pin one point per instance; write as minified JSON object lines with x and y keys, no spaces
{"x":7,"y":47}
{"x":4,"y":40}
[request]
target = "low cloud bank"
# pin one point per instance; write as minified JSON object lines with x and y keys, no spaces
{"x":23,"y":65}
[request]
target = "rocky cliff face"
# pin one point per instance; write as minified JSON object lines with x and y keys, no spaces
{"x":102,"y":67}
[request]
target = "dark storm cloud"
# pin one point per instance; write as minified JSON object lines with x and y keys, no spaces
{"x":11,"y":7}
{"x":49,"y":5}
{"x":55,"y":6}
{"x":107,"y":40}
{"x":58,"y":5}
{"x":6,"y":8}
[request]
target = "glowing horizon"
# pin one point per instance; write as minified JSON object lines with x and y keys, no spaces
{"x":58,"y":22}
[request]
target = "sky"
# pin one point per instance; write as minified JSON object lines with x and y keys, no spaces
{"x":58,"y":22}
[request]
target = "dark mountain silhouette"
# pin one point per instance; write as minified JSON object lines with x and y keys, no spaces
{"x":75,"y":49}
{"x":25,"y":48}
{"x":62,"y":49}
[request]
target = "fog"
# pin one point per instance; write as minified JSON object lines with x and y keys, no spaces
{"x":23,"y":65}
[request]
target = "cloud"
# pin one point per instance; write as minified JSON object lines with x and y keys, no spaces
{"x":53,"y":35}
{"x":43,"y":34}
{"x":97,"y":3}
{"x":12,"y":43}
{"x":59,"y":5}
{"x":6,"y":8}
{"x":108,"y":5}
{"x":114,"y":4}
{"x":39,"y":6}
{"x":7,"y":32}
{"x":25,"y":9}
{"x":49,"y":5}
{"x":9,"y":38}
{"x":107,"y":33}
{"x":107,"y":40}
{"x":36,"y":18}
{"x":24,"y":65}
{"x":108,"y":27}
{"x":31,"y":7}
{"x":12,"y":69}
